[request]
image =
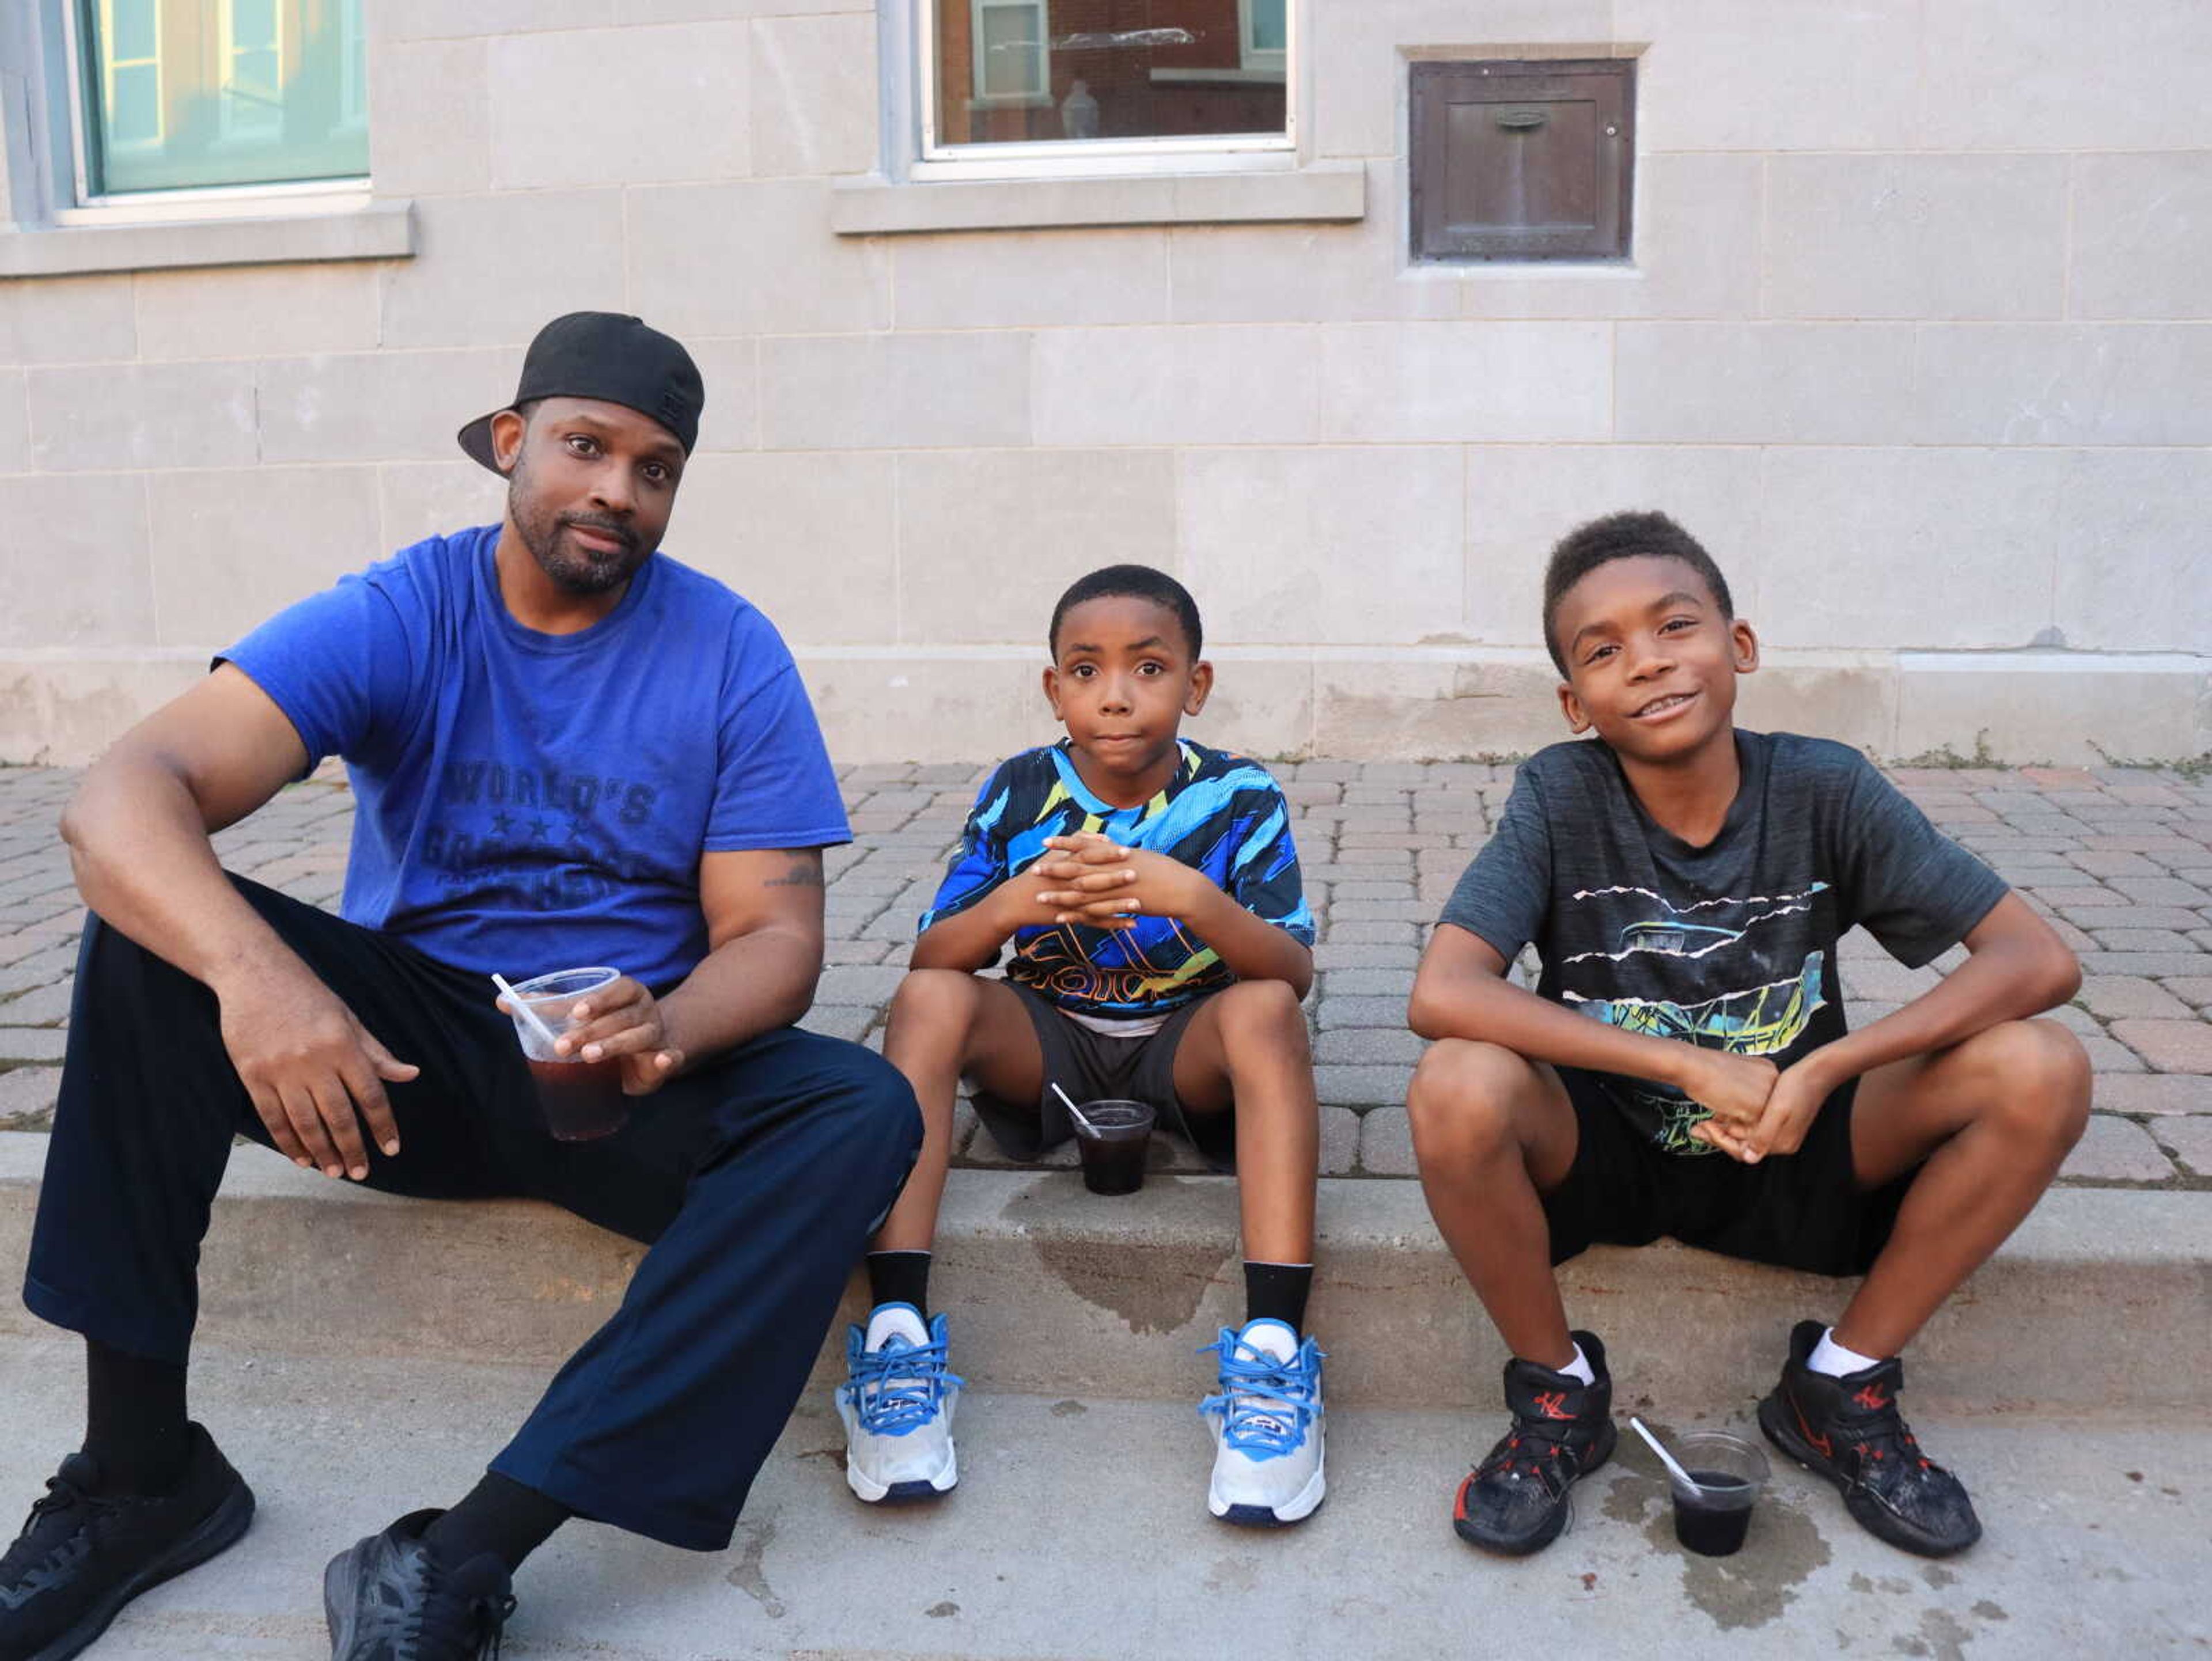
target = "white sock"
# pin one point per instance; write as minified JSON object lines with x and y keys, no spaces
{"x":1580,"y":1368}
{"x":1831,"y":1358}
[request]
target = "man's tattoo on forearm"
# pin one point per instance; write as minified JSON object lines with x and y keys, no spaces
{"x":803,"y":874}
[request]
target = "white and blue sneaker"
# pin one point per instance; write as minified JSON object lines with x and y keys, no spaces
{"x":1267,"y":1424}
{"x":897,"y":1403}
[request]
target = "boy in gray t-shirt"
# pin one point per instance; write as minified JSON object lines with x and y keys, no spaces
{"x":1683,"y":1067}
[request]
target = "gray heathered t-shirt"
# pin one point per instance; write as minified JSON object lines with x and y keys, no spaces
{"x":1733,"y":945}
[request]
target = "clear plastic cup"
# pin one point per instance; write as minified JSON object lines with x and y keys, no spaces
{"x":1114,"y":1149}
{"x":582,"y":1101}
{"x":1730,"y":1472}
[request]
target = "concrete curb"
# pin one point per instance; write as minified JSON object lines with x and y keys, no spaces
{"x":1054,"y":1291}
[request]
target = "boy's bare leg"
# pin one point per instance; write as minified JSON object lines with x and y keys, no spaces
{"x":1248,"y":1044}
{"x":1994,"y":1118}
{"x":1493,"y":1133}
{"x":945,"y":1023}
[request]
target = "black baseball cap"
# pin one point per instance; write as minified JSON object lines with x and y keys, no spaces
{"x":615,"y":359}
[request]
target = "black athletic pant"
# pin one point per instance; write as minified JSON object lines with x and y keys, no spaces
{"x":757,"y":1179}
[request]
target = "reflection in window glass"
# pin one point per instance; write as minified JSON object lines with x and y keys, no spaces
{"x":253,"y":86}
{"x":1026,"y":71}
{"x":1266,"y":29}
{"x":181,"y":94}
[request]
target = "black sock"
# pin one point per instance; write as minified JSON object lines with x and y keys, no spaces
{"x":135,"y":1423}
{"x":899,"y":1278}
{"x":1277,"y":1292}
{"x":500,"y":1517}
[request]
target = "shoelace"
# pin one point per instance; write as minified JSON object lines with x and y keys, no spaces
{"x":452,"y":1625}
{"x":26,"y":1553}
{"x":428,"y":1621}
{"x":1531,"y":1441}
{"x":1264,"y":1404}
{"x":897,"y":1389}
{"x":1877,"y":1439}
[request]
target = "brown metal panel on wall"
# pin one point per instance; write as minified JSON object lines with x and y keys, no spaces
{"x":1522,"y":160}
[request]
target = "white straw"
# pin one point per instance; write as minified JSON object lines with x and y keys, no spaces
{"x":1069,"y":1103}
{"x":537,"y":1022}
{"x":1665,"y":1458}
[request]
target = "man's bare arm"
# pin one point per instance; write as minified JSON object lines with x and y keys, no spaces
{"x":137,"y":827}
{"x":138,"y":832}
{"x":764,"y":950}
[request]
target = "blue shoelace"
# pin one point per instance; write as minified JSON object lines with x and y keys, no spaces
{"x":897,"y":1389}
{"x":1266,"y":1405}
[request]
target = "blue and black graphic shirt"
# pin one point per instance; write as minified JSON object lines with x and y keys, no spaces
{"x":1222,"y":813}
{"x":1732,"y":945}
{"x":527,"y":801}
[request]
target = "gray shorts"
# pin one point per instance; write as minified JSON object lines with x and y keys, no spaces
{"x":1092,"y":1067}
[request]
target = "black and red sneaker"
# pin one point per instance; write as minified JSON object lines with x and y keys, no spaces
{"x":1516,"y":1500}
{"x":1848,"y":1430}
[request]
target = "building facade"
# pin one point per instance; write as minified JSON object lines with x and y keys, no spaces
{"x":1910,"y":323}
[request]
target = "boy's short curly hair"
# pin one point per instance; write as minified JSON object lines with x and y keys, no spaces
{"x":1138,"y":582}
{"x":1646,"y":534}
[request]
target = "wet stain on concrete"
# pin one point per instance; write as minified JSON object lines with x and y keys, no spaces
{"x":1859,"y":1584}
{"x":1755,"y":1585}
{"x":1938,"y":1577}
{"x":938,"y":1612}
{"x":1990,"y":1611}
{"x":1945,"y":1637}
{"x":1153,"y":1290}
{"x":754,"y":1539}
{"x":1068,"y":1409}
{"x":1232,"y":1574}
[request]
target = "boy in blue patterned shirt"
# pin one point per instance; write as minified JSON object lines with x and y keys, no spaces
{"x":1161,"y":943}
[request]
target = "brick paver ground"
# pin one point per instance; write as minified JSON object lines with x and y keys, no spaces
{"x":2119,"y":859}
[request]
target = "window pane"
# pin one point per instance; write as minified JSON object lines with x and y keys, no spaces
{"x":190,"y":92}
{"x":1270,"y":29}
{"x":253,"y":23}
{"x":1112,"y":68}
{"x":134,"y":29}
{"x":137,"y":117}
{"x":1010,"y":50}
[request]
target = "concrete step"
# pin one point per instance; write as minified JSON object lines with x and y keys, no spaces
{"x":1078,"y":1533}
{"x":1056,"y":1291}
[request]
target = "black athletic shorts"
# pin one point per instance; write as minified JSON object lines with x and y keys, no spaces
{"x":1092,"y":1067}
{"x":1802,"y":1211}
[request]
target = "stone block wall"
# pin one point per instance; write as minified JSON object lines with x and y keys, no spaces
{"x":1916,"y":338}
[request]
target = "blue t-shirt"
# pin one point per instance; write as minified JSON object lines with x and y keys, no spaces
{"x":1221,"y":813}
{"x":527,"y":801}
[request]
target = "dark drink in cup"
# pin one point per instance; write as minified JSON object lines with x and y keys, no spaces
{"x":1711,"y":1519}
{"x":582,"y":1101}
{"x":1713,"y":1524}
{"x":1115,"y":1146}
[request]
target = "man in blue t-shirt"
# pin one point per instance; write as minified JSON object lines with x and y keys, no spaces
{"x":566,"y":749}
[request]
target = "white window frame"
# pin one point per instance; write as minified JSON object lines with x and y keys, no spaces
{"x":935,"y":159}
{"x":231,"y":110}
{"x":203,"y":202}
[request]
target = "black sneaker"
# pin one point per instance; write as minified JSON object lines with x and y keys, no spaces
{"x":1516,"y":1500}
{"x":85,"y":1552}
{"x":1848,"y":1430}
{"x":391,"y":1598}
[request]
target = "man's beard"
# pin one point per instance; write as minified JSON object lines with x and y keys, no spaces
{"x":574,"y":569}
